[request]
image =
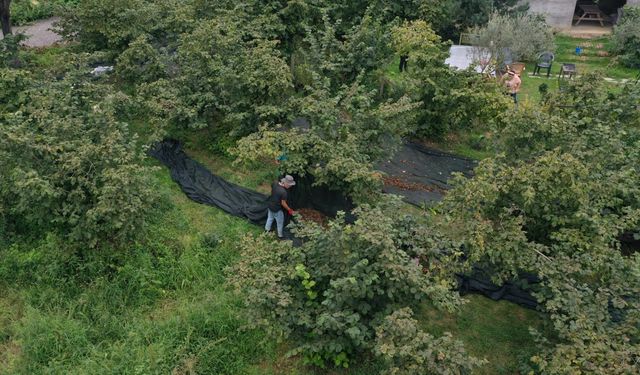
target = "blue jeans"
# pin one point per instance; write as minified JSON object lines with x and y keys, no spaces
{"x":279,"y":217}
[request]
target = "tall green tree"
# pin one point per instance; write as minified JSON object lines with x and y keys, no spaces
{"x":222,"y":70}
{"x":452,"y":17}
{"x":350,"y":130}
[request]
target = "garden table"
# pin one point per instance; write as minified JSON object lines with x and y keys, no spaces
{"x":590,"y":13}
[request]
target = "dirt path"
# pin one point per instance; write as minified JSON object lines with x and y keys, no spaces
{"x":39,"y":33}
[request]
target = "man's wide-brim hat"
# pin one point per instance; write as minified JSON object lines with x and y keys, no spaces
{"x":288,"y":180}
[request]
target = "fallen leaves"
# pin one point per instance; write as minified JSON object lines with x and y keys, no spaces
{"x":309,"y":214}
{"x":411,"y":186}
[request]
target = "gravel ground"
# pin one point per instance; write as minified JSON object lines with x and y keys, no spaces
{"x":39,"y":33}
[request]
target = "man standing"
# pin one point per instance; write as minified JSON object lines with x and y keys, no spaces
{"x":513,"y":85}
{"x":403,"y":63}
{"x":277,"y":203}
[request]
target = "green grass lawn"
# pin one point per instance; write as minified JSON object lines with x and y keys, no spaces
{"x":162,"y":306}
{"x":594,"y":57}
{"x":496,"y":331}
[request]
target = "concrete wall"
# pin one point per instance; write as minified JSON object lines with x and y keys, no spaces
{"x":559,"y":13}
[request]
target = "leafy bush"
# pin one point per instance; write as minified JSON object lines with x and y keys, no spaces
{"x":222,"y":72}
{"x":140,"y":62}
{"x":111,"y":24}
{"x":68,"y":162}
{"x":10,"y":54}
{"x":329,"y":295}
{"x":452,"y":17}
{"x":410,"y":351}
{"x":342,"y":58}
{"x":525,"y":36}
{"x":595,"y":309}
{"x":557,"y":217}
{"x":626,"y":37}
{"x":13,"y":83}
{"x":349,"y":132}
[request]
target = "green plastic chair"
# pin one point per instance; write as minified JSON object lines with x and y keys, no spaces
{"x":545,"y":61}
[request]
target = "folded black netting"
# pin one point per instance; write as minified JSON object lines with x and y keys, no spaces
{"x":202,"y":186}
{"x":427,"y":166}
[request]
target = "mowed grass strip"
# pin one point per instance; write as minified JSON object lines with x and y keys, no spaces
{"x":495,"y":330}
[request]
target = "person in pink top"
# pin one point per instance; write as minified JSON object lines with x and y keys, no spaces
{"x":513,"y":85}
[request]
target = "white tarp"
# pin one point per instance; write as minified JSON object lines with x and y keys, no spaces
{"x":462,"y":57}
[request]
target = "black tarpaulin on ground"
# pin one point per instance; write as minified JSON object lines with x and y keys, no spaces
{"x":423,"y":167}
{"x":479,"y":281}
{"x":202,"y":186}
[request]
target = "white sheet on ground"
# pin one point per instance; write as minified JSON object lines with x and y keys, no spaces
{"x":462,"y":57}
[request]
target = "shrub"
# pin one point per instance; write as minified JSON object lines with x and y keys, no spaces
{"x":410,"y":351}
{"x":10,"y":54}
{"x":13,"y":84}
{"x":68,"y":162}
{"x":523,"y":35}
{"x":110,"y":24}
{"x":595,"y":310}
{"x":224,"y":74}
{"x":452,"y":17}
{"x":349,"y":132}
{"x":141,"y":62}
{"x":341,"y":58}
{"x":329,"y":295}
{"x":626,"y":37}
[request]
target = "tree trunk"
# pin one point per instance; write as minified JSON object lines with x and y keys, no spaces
{"x":5,"y":16}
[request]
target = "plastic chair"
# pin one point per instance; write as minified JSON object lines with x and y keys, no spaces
{"x":545,"y":61}
{"x":567,"y":70}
